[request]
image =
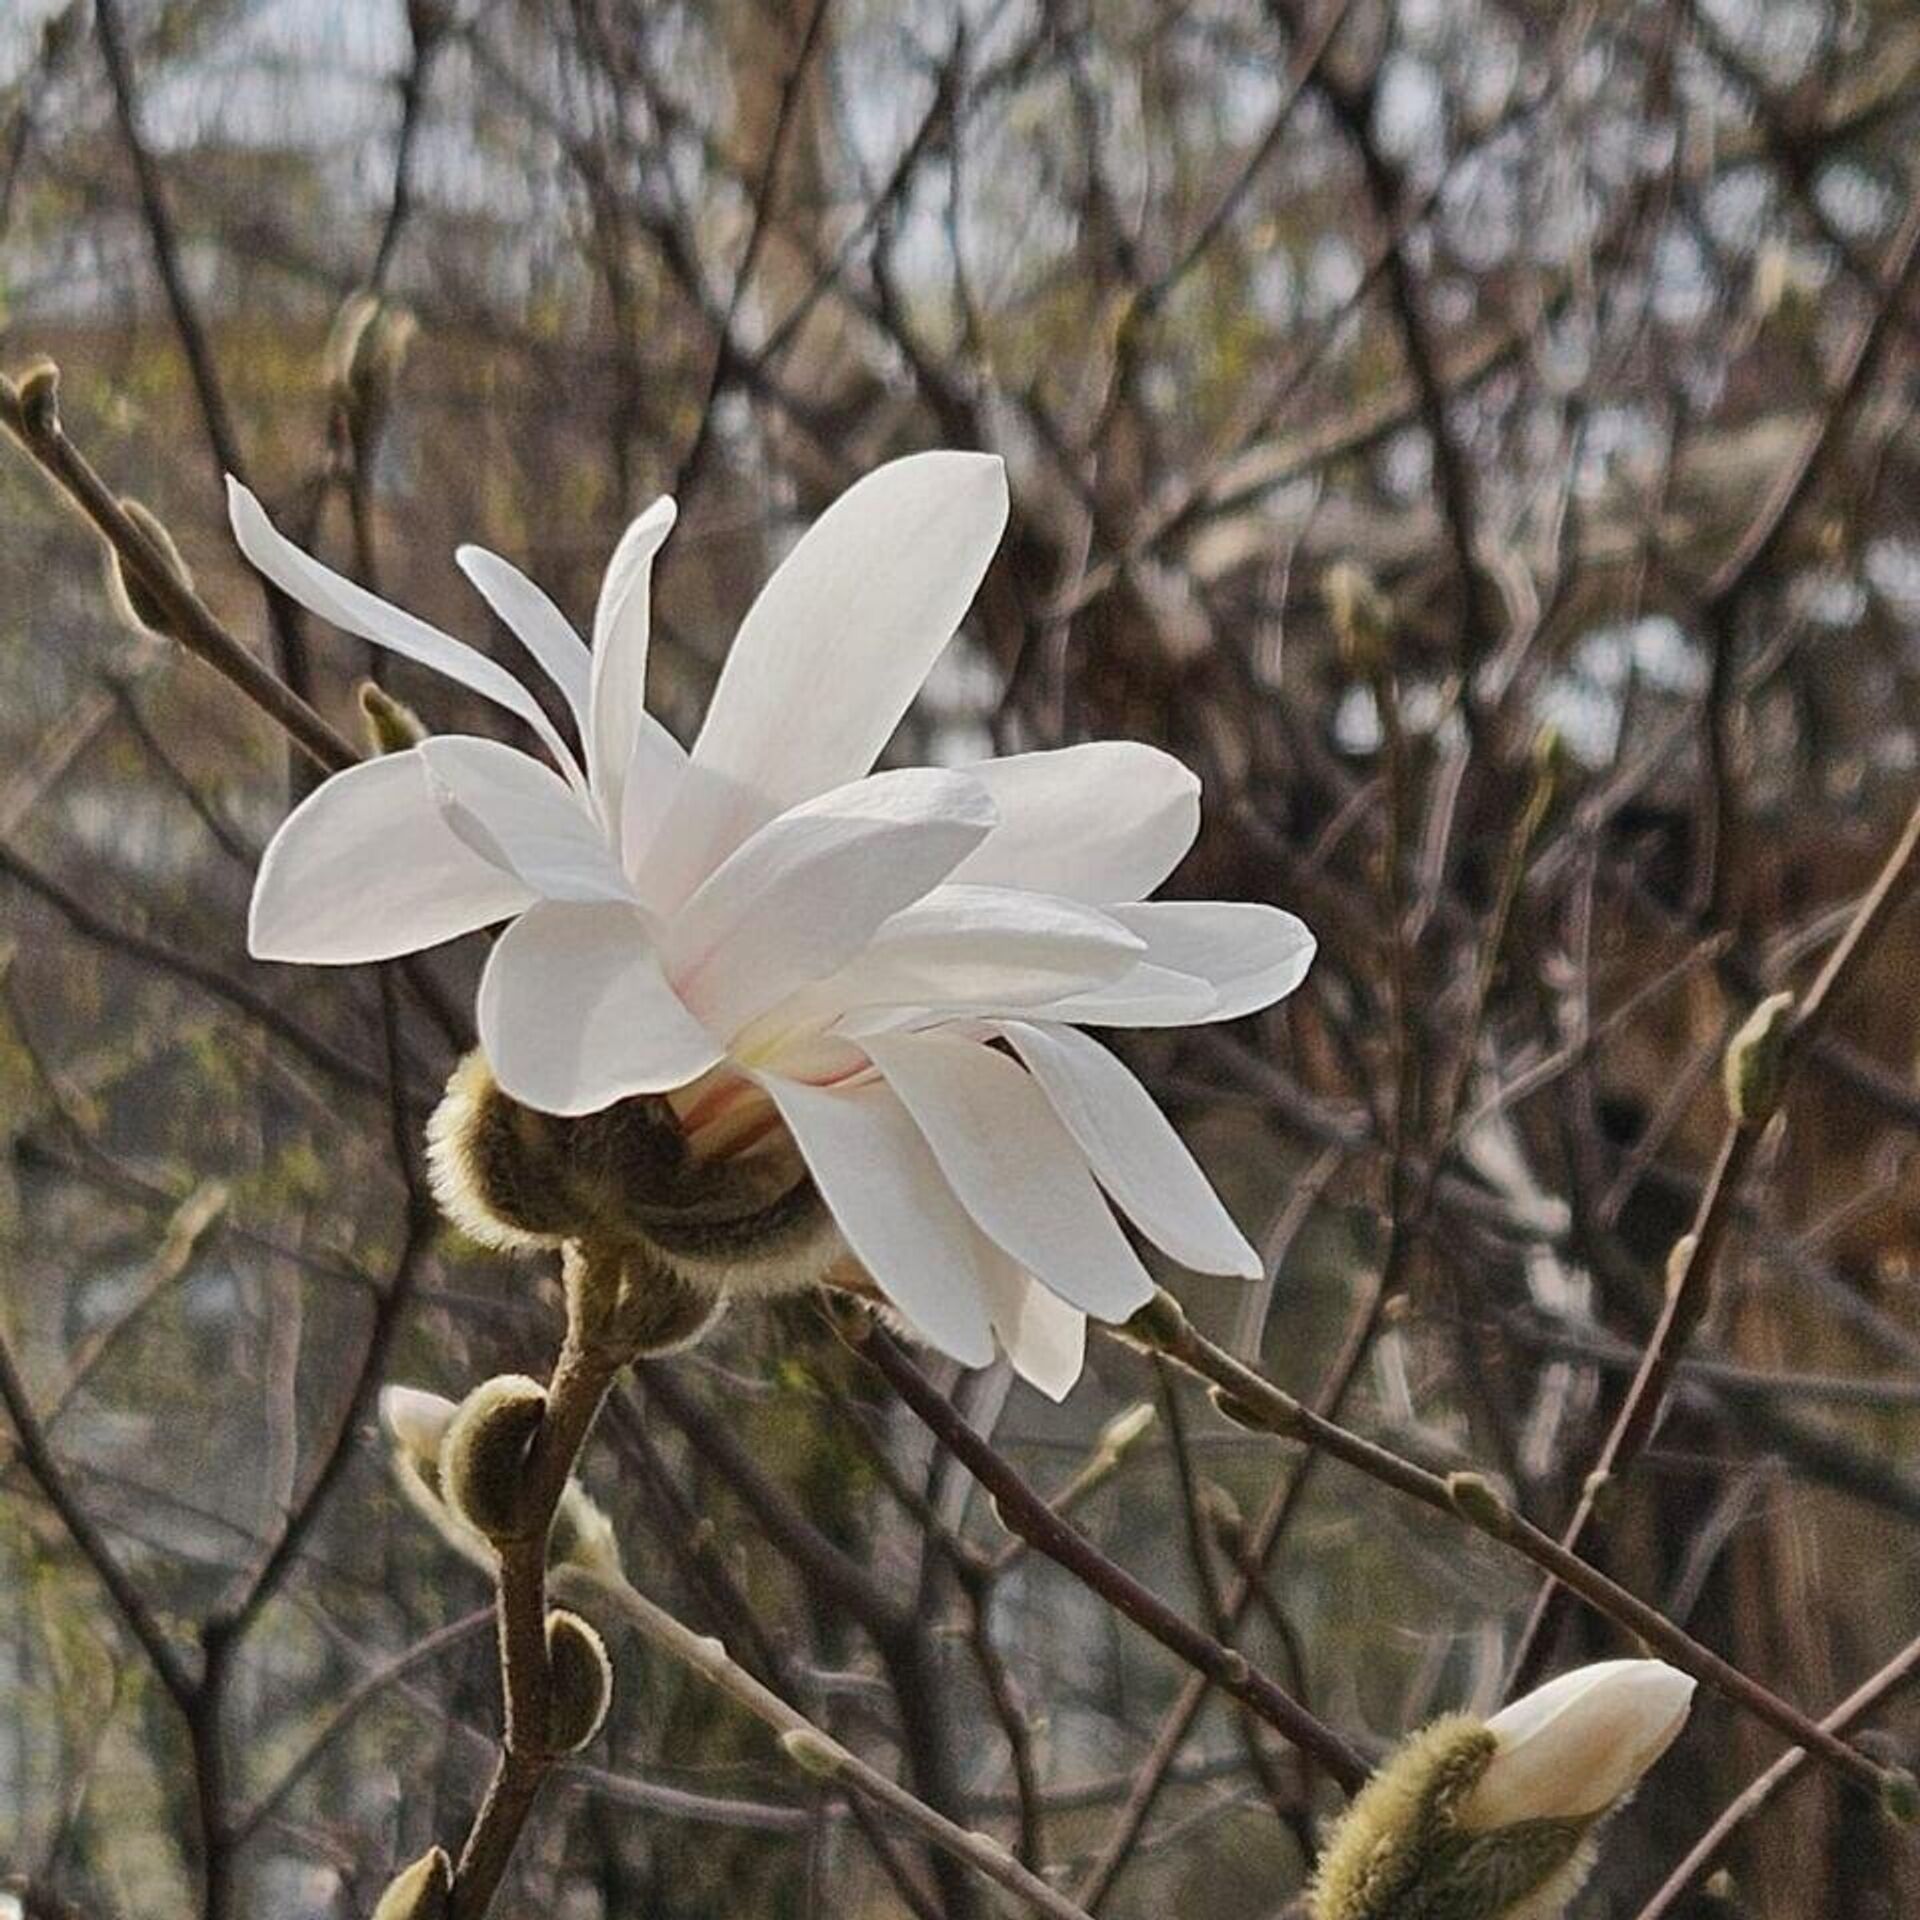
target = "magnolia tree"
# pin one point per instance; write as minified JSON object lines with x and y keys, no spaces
{"x":1155,"y":1158}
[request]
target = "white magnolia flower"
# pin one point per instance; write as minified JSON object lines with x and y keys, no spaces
{"x":1578,"y":1745}
{"x":892,"y":968}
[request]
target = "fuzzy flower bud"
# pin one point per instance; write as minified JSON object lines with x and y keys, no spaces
{"x":628,"y":1302}
{"x":132,"y":600}
{"x":483,"y":1457}
{"x":1756,"y":1061}
{"x":1493,"y":1820}
{"x":418,"y":1892}
{"x":579,"y":1684}
{"x":627,"y":1177}
{"x":416,"y":1423}
{"x":1362,"y":620}
{"x":391,"y":725}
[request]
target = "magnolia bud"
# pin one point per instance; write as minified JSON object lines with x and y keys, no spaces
{"x":418,"y":1892}
{"x":1128,"y":1426}
{"x":496,"y":1165}
{"x":813,"y":1752}
{"x":625,"y":1300}
{"x":579,"y":1682}
{"x":1494,"y":1820}
{"x":1577,"y":1746}
{"x":1160,"y":1326}
{"x":391,"y":725}
{"x":1475,"y":1498}
{"x":38,"y":392}
{"x":132,"y":599}
{"x":1756,"y":1061}
{"x":483,"y":1457}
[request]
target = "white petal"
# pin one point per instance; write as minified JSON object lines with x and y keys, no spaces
{"x":621,"y":622}
{"x":1143,"y":996}
{"x":835,"y":648}
{"x":536,"y":623}
{"x":656,"y":771}
{"x":417,"y":1420}
{"x":1573,"y":1747}
{"x":1044,"y":1339}
{"x":334,"y":597}
{"x":963,"y":949}
{"x":1015,"y":1168}
{"x":366,"y":867}
{"x":807,"y":891}
{"x":1105,"y":821}
{"x":1133,"y":1149}
{"x":1251,"y":955}
{"x":894,"y":1210}
{"x":520,"y":815}
{"x":575,"y":1012}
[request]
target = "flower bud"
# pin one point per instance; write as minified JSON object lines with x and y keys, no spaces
{"x":512,"y":1177}
{"x":38,"y":392}
{"x":813,"y":1752}
{"x":579,"y":1681}
{"x":627,"y":1301}
{"x":132,"y":599}
{"x":1494,"y":1820}
{"x":419,"y":1892}
{"x":483,"y":1457}
{"x":1756,"y":1061}
{"x":1578,"y":1745}
{"x":391,"y":725}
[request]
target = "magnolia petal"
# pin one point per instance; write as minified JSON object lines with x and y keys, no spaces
{"x":974,"y":948}
{"x":893,"y":1208}
{"x":1133,"y":1150}
{"x":833,"y":651}
{"x":520,"y":815}
{"x":546,"y":633}
{"x":366,"y":867}
{"x":575,"y":1012}
{"x":1250,"y":955}
{"x":1044,"y":1339}
{"x":1108,"y":820}
{"x":1572,"y":1748}
{"x":336,"y":598}
{"x":1143,"y":996}
{"x":656,"y":771}
{"x":622,"y":621}
{"x":1014,"y":1167}
{"x":805,"y":893}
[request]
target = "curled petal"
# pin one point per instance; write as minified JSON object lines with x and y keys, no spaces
{"x":575,"y":1012}
{"x":366,"y":867}
{"x":536,"y":623}
{"x":622,"y":621}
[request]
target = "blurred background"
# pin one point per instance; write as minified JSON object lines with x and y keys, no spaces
{"x":1584,"y":332}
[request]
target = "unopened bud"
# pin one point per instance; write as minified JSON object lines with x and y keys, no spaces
{"x":626,"y":1302}
{"x":1160,"y":1326}
{"x":1362,"y":620}
{"x":391,"y":725}
{"x":1476,"y":1499}
{"x":813,"y":1752}
{"x":38,"y":393}
{"x":419,"y":1892}
{"x":363,"y":357}
{"x":483,"y":1458}
{"x":1756,"y":1061}
{"x":579,"y":1682}
{"x":132,"y":599}
{"x":1245,"y":1415}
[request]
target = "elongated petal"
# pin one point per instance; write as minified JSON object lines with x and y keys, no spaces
{"x":1250,"y":955}
{"x":366,"y":867}
{"x":835,"y":648}
{"x":1102,"y":822}
{"x":536,"y":623}
{"x":808,"y":890}
{"x":336,"y":598}
{"x":1573,"y":1747}
{"x":1014,"y":1167}
{"x":575,"y":1012}
{"x":966,"y":949}
{"x":1133,"y":1150}
{"x":894,"y":1209}
{"x":622,"y":621}
{"x":1142,"y":996}
{"x":656,"y":772}
{"x":520,"y":815}
{"x":1044,"y":1339}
